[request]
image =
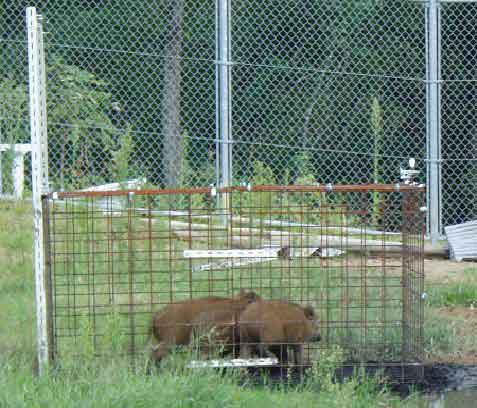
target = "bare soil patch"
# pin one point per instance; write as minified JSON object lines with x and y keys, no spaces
{"x":444,"y":271}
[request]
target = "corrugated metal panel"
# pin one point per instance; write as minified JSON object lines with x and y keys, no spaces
{"x":462,"y":240}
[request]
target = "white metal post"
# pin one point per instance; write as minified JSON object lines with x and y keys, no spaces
{"x":224,"y":95}
{"x":433,"y":76}
{"x":37,"y":99}
{"x":43,"y":114}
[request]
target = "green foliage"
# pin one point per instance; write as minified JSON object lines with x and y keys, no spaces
{"x":262,"y":174}
{"x":114,"y":341}
{"x":455,"y":294}
{"x":305,"y":174}
{"x":13,"y":111}
{"x":322,"y":374}
{"x":196,"y":174}
{"x":80,"y":128}
{"x":121,"y":152}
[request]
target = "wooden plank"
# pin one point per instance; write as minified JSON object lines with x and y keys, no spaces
{"x":239,"y":231}
{"x":233,"y":261}
{"x":288,"y":224}
{"x":230,"y":263}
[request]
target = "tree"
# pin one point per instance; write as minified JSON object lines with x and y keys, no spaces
{"x":81,"y":132}
{"x":171,"y":101}
{"x":84,"y":144}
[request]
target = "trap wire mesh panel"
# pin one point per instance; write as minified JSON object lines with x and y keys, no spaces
{"x":116,"y":258}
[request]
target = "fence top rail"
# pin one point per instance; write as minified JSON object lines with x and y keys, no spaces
{"x":323,"y":188}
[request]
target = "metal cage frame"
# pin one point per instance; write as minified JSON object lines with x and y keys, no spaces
{"x":117,"y":257}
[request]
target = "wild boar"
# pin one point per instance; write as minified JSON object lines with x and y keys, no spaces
{"x":275,"y":325}
{"x":174,"y":324}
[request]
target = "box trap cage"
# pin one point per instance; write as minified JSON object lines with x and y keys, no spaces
{"x":256,"y":275}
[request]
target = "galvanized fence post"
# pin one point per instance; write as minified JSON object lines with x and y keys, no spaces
{"x":224,"y":97}
{"x":433,"y":90}
{"x":43,"y":113}
{"x":37,"y":93}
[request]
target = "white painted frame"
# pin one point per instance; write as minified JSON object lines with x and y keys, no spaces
{"x":18,"y":168}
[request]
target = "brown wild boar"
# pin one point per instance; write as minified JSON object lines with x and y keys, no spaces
{"x":275,"y":325}
{"x":174,"y":324}
{"x":219,"y":327}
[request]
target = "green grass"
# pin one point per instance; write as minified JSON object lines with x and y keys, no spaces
{"x":116,"y":385}
{"x":449,"y":335}
{"x":461,"y":293}
{"x":82,"y":381}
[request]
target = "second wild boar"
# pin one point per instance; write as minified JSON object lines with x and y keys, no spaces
{"x":271,"y":326}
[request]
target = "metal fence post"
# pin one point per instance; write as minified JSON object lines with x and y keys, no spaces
{"x":433,"y":90}
{"x":223,"y":102}
{"x":43,"y":114}
{"x":37,"y":91}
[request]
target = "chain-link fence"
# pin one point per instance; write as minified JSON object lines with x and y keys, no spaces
{"x":459,"y":122}
{"x":297,"y":91}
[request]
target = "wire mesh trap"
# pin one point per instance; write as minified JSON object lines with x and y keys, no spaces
{"x":274,"y":275}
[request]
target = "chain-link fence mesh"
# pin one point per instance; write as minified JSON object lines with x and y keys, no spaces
{"x":328,"y":91}
{"x":459,"y":121}
{"x":321,"y":91}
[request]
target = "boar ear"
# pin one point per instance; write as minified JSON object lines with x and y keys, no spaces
{"x":309,"y":312}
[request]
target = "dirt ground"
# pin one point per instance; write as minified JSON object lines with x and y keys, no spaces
{"x":441,"y":271}
{"x":436,"y":270}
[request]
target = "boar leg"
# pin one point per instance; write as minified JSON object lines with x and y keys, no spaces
{"x":298,"y":354}
{"x":159,"y":351}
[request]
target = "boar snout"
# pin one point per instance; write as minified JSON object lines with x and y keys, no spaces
{"x":315,"y":324}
